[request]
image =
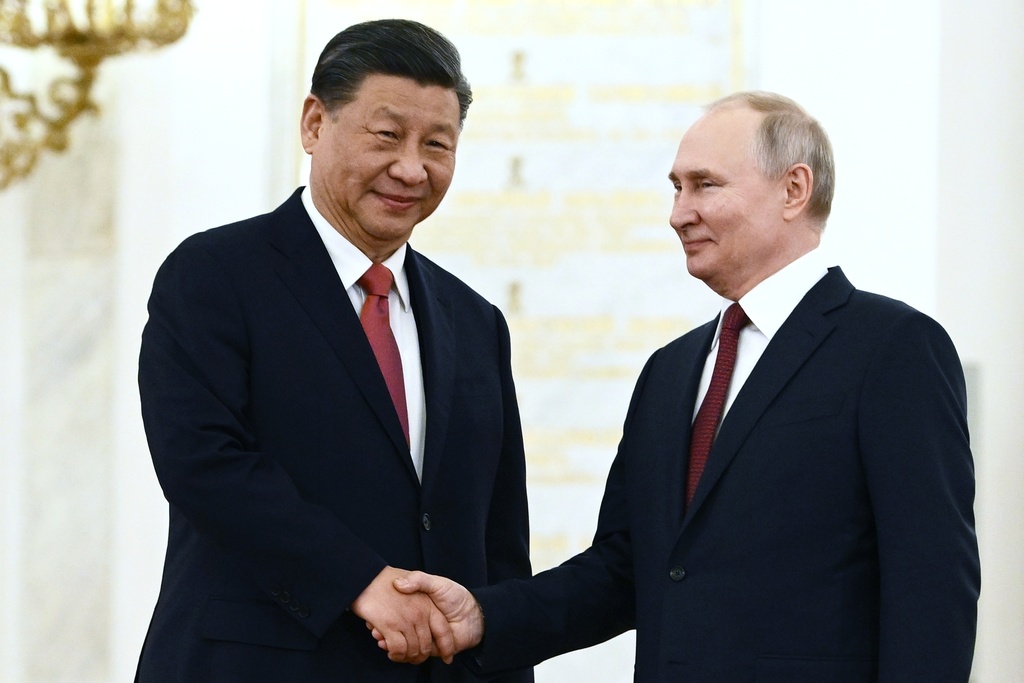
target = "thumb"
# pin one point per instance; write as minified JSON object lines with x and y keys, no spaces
{"x":413,"y":582}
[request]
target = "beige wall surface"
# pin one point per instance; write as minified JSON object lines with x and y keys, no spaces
{"x":920,"y":99}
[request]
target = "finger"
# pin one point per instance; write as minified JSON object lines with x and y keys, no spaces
{"x":379,"y":637}
{"x":423,"y":639}
{"x":412,"y":583}
{"x":407,"y":657}
{"x":397,"y":646}
{"x":444,"y":638}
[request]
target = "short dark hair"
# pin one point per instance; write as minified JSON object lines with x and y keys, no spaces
{"x":392,"y":47}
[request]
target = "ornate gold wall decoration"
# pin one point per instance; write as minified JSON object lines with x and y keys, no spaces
{"x":84,"y":32}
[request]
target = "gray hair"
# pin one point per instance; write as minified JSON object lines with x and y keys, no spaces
{"x":788,"y":135}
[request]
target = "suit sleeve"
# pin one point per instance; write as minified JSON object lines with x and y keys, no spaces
{"x":587,"y":600}
{"x":920,"y":474}
{"x":508,"y":526}
{"x":194,"y":386}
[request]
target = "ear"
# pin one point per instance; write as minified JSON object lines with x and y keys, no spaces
{"x":797,"y":183}
{"x":313,"y":114}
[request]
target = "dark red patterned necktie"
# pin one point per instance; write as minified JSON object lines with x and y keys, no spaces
{"x":705,"y":425}
{"x":376,"y":322}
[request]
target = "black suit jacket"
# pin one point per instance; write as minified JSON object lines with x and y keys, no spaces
{"x":831,"y":537}
{"x":289,"y":479}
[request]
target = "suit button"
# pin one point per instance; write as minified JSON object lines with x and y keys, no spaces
{"x":303,"y":611}
{"x":285,"y":597}
{"x":677,"y":574}
{"x":275,"y":591}
{"x":426,"y":521}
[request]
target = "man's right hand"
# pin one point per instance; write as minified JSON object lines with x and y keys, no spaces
{"x":406,"y":623}
{"x":455,"y":603}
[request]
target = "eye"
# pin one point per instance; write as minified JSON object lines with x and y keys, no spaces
{"x":438,"y":144}
{"x":387,"y":134}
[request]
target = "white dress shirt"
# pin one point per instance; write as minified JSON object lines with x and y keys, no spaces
{"x":767,"y":305}
{"x":351,"y":263}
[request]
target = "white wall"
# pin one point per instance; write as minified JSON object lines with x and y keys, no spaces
{"x":868,"y":71}
{"x":979,"y":289}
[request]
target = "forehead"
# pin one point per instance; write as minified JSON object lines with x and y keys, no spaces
{"x":722,"y":139}
{"x":383,"y":94}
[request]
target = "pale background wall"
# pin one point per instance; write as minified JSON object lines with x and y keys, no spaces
{"x":921,"y":100}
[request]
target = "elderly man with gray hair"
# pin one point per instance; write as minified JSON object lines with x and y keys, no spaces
{"x":792,"y":498}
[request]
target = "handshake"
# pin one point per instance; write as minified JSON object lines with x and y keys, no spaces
{"x":414,"y":615}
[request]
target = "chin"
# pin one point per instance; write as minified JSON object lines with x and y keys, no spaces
{"x":395,"y":229}
{"x":695,"y":269}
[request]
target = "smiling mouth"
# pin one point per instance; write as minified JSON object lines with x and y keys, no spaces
{"x":398,"y":201}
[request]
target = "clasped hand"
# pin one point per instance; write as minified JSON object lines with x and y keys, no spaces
{"x":414,"y":615}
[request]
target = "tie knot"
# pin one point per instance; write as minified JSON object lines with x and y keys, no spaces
{"x":735,"y":318}
{"x":376,"y":280}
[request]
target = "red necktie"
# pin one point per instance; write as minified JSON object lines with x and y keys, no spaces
{"x":705,"y":425}
{"x":377,"y":324}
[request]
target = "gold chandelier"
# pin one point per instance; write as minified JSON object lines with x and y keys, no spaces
{"x":85,"y":33}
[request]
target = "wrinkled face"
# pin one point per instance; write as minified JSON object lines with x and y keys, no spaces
{"x":382,"y":162}
{"x":728,"y":215}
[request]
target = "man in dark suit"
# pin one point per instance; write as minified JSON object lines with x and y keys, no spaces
{"x":304,"y":474}
{"x":830,"y":534}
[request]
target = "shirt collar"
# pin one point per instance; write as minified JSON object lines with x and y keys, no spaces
{"x":773,"y":299}
{"x":348,"y":260}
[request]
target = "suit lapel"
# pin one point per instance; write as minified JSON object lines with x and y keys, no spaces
{"x":434,"y":324}
{"x":307,"y":271}
{"x":802,"y":333}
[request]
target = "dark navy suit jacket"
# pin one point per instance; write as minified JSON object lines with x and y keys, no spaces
{"x":831,"y":537}
{"x":289,"y":479}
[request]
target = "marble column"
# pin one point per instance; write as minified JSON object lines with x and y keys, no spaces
{"x":66,"y":463}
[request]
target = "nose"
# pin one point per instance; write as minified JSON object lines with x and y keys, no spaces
{"x":409,"y":167}
{"x":683,"y":213}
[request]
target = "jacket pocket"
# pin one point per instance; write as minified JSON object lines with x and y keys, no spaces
{"x":255,"y":623}
{"x":803,"y":409}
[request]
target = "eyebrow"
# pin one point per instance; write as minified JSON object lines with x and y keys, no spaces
{"x":395,"y":116}
{"x":696,"y":174}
